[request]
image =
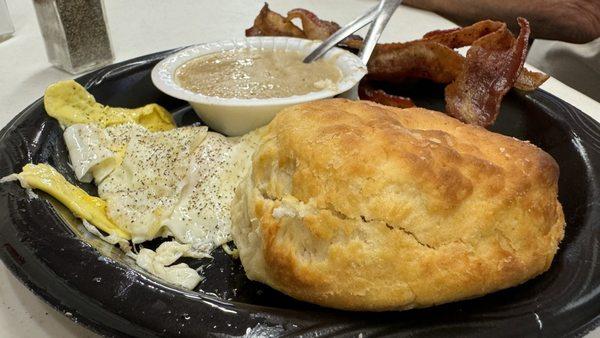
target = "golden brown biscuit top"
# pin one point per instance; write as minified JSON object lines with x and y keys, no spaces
{"x":366,"y":161}
{"x":359,"y":206}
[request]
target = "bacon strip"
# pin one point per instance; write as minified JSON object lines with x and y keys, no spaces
{"x":269,"y":23}
{"x":477,"y":83}
{"x":492,"y":65}
{"x":431,"y":60}
{"x":313,"y":27}
{"x":366,"y":91}
{"x":317,"y":29}
{"x":416,"y":59}
{"x":465,"y":36}
{"x":529,"y":80}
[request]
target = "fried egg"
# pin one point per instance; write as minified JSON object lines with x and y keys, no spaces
{"x":201,"y":216}
{"x":141,"y":192}
{"x":161,"y":263}
{"x":69,"y":103}
{"x":88,"y":208}
{"x":154,"y":180}
{"x":176,"y":183}
{"x":95,"y":152}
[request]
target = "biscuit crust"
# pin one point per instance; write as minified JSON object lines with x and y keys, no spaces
{"x":359,"y":206}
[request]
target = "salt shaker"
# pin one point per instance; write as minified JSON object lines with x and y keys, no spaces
{"x":75,"y":33}
{"x":6,"y":27}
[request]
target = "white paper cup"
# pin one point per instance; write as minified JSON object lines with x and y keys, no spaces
{"x":233,"y":116}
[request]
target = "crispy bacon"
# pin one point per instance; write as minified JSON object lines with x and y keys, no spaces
{"x":430,"y":60}
{"x":317,"y":29}
{"x":477,"y":83}
{"x":529,"y":80}
{"x":269,"y":23}
{"x":416,"y":59}
{"x":366,"y":91}
{"x":492,"y":65}
{"x":313,"y":27}
{"x":465,"y":36}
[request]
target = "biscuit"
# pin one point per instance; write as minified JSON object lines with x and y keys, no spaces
{"x":358,"y":206}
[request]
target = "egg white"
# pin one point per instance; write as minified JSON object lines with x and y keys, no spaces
{"x":177,"y":183}
{"x":201,"y":216}
{"x":141,"y":192}
{"x":95,"y":152}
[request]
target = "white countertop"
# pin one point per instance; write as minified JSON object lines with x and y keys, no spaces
{"x":140,"y":27}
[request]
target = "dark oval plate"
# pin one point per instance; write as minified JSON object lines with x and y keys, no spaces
{"x":95,"y":284}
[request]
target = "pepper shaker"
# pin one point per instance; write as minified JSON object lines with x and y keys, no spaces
{"x":6,"y":27}
{"x":75,"y":33}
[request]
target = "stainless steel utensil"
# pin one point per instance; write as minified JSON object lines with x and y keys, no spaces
{"x":378,"y":15}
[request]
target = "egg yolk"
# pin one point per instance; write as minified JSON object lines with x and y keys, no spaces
{"x":69,"y":103}
{"x":84,"y":206}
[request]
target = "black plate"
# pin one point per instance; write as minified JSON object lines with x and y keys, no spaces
{"x":46,"y":248}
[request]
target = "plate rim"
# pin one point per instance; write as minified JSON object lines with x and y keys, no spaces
{"x":102,"y":74}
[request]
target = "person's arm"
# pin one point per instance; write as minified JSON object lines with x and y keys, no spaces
{"x":576,"y":21}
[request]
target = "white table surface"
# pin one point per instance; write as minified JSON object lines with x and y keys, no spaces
{"x":140,"y":27}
